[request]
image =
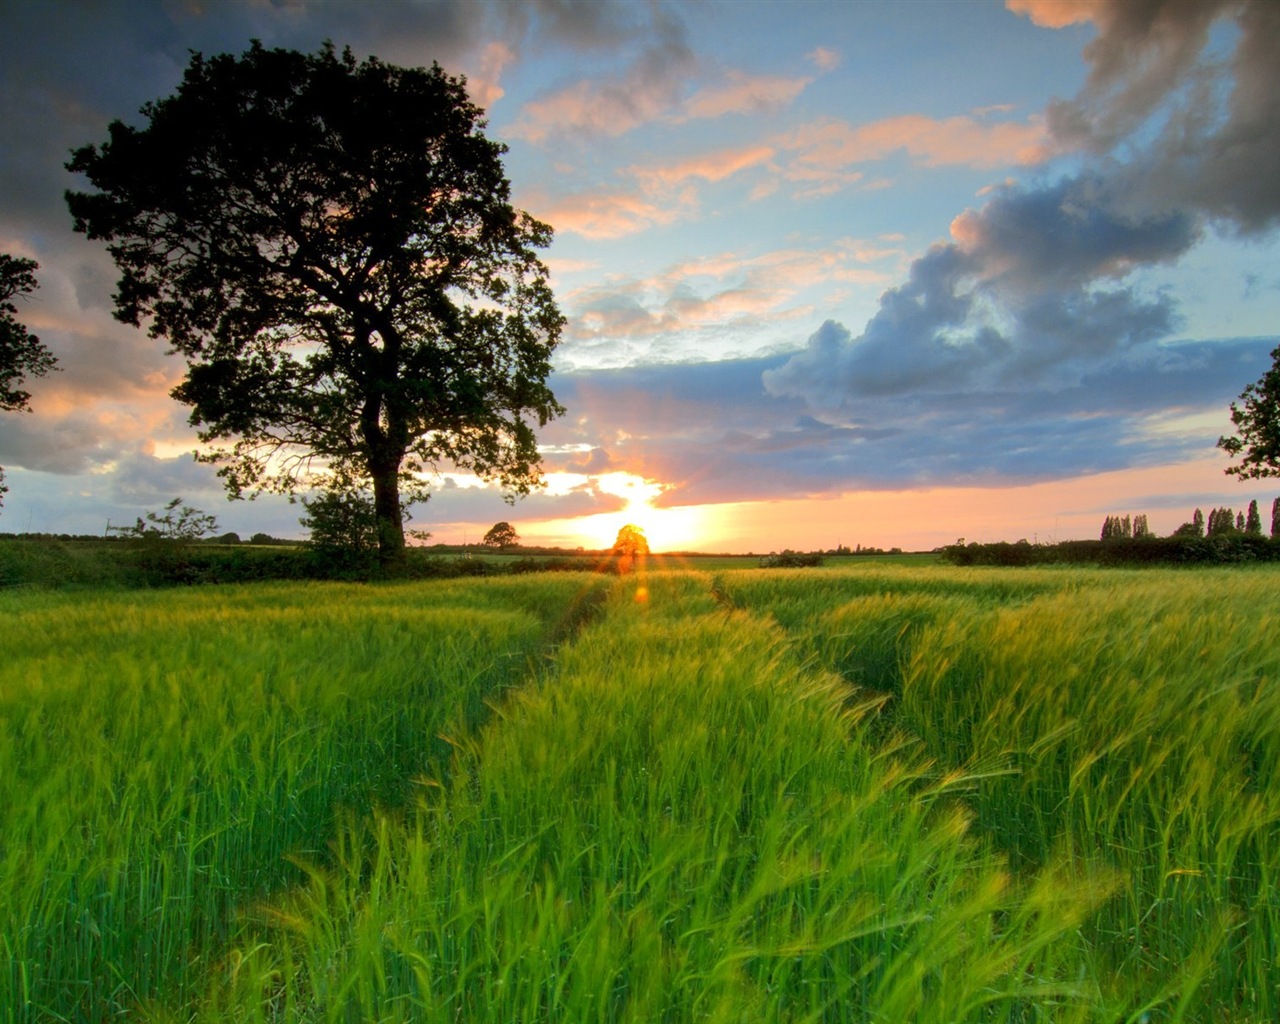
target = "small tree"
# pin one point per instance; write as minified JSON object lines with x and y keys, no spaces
{"x":21,"y":352}
{"x":341,"y":522}
{"x":630,"y":546}
{"x":1197,"y":520}
{"x":175,"y":522}
{"x":1140,"y":527}
{"x":631,"y":541}
{"x":502,"y":535}
{"x":1275,"y":518}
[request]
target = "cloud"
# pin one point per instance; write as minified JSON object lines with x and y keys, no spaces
{"x":610,"y":213}
{"x":709,"y":167}
{"x":824,"y":157}
{"x":484,"y":82}
{"x":1018,"y":298}
{"x":649,"y":87}
{"x":1066,"y":235}
{"x":1154,"y":72}
{"x":716,"y":432}
{"x":713,"y":305}
{"x":824,"y":58}
{"x":832,"y":145}
{"x":1057,"y":13}
{"x":744,"y":94}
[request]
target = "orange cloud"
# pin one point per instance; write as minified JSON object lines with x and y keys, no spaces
{"x":745,"y":94}
{"x":1058,"y":13}
{"x":824,"y":58}
{"x":965,"y":141}
{"x":606,"y":215}
{"x":710,"y":167}
{"x":483,"y":81}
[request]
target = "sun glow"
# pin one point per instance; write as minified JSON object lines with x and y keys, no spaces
{"x":681,"y":528}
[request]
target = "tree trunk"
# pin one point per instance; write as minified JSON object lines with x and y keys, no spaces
{"x":386,"y":508}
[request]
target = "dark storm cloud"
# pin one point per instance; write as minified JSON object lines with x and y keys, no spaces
{"x":1152,"y":66}
{"x":66,"y":69}
{"x":1020,"y":298}
{"x":1004,"y":337}
{"x":70,"y":444}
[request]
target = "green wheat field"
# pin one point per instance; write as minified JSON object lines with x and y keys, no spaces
{"x":872,"y":793}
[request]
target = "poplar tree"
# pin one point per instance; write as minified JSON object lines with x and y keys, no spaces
{"x":1253,"y":522}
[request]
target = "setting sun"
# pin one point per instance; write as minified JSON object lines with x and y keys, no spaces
{"x":682,"y":528}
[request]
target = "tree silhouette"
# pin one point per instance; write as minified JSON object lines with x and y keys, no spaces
{"x":21,"y":352}
{"x":176,"y":522}
{"x":332,"y":248}
{"x":1257,"y":423}
{"x":501,"y":535}
{"x":1253,"y":521}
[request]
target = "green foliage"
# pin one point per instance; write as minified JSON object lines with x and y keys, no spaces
{"x":167,"y":761}
{"x":1185,"y":547}
{"x":1221,"y":521}
{"x":330,"y":245}
{"x":1117,"y":527}
{"x":22,"y":354}
{"x":682,"y":824}
{"x":1257,"y":422}
{"x":1195,"y":528}
{"x":791,"y":560}
{"x":1125,"y":528}
{"x":1120,"y":718}
{"x":1253,"y":521}
{"x":342,"y":523}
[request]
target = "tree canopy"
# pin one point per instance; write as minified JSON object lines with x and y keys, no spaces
{"x":331,"y":246}
{"x":22,"y":354}
{"x":501,"y":535}
{"x":631,"y":542}
{"x":1257,"y":423}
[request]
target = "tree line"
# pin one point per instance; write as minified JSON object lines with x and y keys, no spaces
{"x":1220,"y":522}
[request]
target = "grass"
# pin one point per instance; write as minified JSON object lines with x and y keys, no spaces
{"x":875,"y":792}
{"x":1124,"y":717}
{"x":661,"y":832}
{"x":163,"y":755}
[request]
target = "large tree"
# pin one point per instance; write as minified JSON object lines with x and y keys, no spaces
{"x":331,"y":246}
{"x":22,"y":354}
{"x":1257,"y":423}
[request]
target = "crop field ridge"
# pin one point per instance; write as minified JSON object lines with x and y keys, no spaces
{"x":681,"y":822}
{"x":863,"y":794}
{"x":169,"y":759}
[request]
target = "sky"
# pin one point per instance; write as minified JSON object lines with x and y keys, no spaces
{"x":876,"y":273}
